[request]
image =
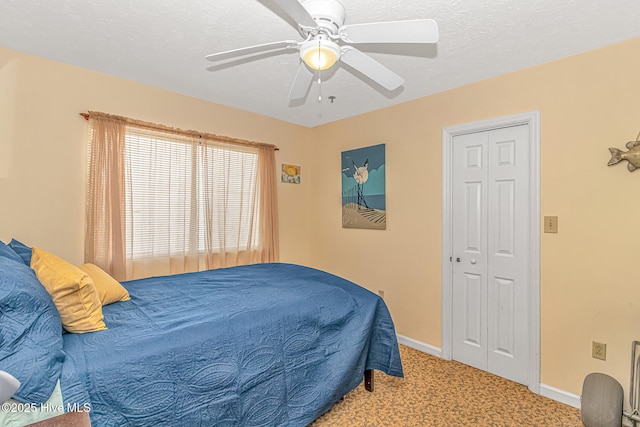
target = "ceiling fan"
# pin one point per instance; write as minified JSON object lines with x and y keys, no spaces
{"x":328,"y":40}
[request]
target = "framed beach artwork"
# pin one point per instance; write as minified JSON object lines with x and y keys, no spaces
{"x":363,"y":188}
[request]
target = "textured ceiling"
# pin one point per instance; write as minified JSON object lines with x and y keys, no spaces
{"x":163,"y":43}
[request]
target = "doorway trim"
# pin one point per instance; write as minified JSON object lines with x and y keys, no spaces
{"x":532,"y":119}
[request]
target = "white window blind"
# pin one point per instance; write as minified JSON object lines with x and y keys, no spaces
{"x":184,"y":197}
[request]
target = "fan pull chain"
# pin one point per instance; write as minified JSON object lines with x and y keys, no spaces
{"x":319,"y":73}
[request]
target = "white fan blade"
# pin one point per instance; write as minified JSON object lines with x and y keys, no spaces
{"x":285,"y":44}
{"x":294,"y":9}
{"x":415,"y":31}
{"x":371,"y":68}
{"x":301,"y":83}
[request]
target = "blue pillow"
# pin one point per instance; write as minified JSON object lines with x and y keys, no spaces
{"x":30,"y":333}
{"x":21,"y":249}
{"x":7,"y":252}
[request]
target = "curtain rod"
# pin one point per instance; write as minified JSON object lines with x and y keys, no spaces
{"x":153,"y":126}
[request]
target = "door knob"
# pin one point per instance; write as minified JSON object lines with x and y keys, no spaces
{"x":473,"y":261}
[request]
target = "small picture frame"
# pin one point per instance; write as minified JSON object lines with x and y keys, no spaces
{"x":290,"y":174}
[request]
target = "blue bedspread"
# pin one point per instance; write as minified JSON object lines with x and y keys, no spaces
{"x":260,"y":345}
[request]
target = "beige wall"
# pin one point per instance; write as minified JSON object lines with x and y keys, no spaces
{"x":588,"y":102}
{"x":590,"y":283}
{"x":43,"y":148}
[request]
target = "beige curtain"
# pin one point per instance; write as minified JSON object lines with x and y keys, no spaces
{"x":260,"y":245}
{"x":104,"y":238}
{"x":184,"y":203}
{"x":270,"y":250}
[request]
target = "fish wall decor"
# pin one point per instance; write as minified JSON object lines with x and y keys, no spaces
{"x":632,"y":155}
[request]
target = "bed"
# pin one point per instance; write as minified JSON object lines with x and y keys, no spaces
{"x":261,"y":345}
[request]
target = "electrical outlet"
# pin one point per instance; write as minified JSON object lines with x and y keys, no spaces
{"x":598,"y":350}
{"x":550,"y":224}
{"x":381,"y":293}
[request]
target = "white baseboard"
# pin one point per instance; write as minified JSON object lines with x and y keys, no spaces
{"x":560,"y":395}
{"x":420,"y":346}
{"x":545,"y":390}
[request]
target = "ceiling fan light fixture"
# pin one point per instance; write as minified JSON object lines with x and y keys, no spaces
{"x":320,"y":53}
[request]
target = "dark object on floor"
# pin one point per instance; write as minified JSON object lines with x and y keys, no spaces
{"x":69,"y":419}
{"x":602,"y":399}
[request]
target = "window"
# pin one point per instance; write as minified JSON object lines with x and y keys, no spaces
{"x":162,"y":200}
{"x":183,"y":196}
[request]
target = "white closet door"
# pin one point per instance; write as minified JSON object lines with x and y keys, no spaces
{"x":490,"y":251}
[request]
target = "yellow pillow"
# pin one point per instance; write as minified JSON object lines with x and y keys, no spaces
{"x":72,"y":291}
{"x":109,"y":289}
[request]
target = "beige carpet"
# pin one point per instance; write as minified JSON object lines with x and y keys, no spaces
{"x":437,"y":392}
